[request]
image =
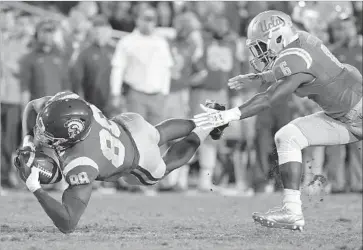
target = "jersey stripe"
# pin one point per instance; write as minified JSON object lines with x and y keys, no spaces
{"x":80,"y":161}
{"x":299,"y":52}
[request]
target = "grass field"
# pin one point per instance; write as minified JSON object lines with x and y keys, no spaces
{"x":177,"y":221}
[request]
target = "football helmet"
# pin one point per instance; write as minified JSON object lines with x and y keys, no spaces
{"x":65,"y":120}
{"x":267,"y":34}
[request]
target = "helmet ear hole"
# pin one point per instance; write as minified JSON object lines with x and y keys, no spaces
{"x":279,"y":39}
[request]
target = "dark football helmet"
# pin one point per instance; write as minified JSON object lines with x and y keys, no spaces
{"x":65,"y":120}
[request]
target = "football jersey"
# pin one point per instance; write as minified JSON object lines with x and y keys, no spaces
{"x":107,"y":153}
{"x":336,"y":87}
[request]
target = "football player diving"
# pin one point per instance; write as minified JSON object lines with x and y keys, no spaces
{"x":91,"y":147}
{"x":289,"y":61}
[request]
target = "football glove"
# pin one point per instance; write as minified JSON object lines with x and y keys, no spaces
{"x":213,"y":118}
{"x":32,"y":182}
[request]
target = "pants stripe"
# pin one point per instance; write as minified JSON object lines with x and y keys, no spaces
{"x":144,"y":176}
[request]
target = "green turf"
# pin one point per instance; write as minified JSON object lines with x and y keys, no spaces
{"x":175,"y":221}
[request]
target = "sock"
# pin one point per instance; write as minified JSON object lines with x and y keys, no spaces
{"x":205,"y":178}
{"x":202,"y":133}
{"x":207,"y":162}
{"x":292,"y":200}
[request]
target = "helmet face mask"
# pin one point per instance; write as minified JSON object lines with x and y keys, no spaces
{"x":46,"y":139}
{"x":262,"y":56}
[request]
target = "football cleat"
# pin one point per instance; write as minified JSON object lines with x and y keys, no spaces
{"x":280,"y":218}
{"x":216,"y":133}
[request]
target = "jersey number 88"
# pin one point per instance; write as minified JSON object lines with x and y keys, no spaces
{"x":112,"y":148}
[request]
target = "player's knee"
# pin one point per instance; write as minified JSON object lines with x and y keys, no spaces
{"x":160,"y":171}
{"x":289,"y":142}
{"x":67,"y":227}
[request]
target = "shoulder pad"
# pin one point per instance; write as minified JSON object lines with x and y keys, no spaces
{"x":81,"y":170}
{"x":292,"y":61}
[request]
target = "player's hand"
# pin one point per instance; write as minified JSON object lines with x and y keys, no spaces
{"x":213,"y":118}
{"x":23,"y":162}
{"x":32,"y":182}
{"x":240,"y":81}
{"x":19,"y":160}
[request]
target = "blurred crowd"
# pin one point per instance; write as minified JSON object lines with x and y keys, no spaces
{"x":162,"y":59}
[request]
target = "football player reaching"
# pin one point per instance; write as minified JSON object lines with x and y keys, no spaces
{"x":91,"y":147}
{"x":288,"y":61}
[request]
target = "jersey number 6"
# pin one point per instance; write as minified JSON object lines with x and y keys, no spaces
{"x":112,"y":148}
{"x":285,"y":70}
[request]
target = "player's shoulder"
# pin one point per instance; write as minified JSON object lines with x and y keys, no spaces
{"x":79,"y":168}
{"x":293,"y":60}
{"x":297,"y":56}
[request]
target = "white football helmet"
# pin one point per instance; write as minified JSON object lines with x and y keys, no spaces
{"x":267,"y":34}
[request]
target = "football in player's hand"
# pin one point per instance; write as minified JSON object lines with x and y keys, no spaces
{"x":49,"y":170}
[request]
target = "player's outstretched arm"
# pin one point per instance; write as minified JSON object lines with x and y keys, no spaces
{"x":277,"y":91}
{"x":67,"y":214}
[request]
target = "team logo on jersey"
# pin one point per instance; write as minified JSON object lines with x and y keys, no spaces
{"x":272,"y":25}
{"x":75,"y":127}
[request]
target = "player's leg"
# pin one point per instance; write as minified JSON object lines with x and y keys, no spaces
{"x":313,"y":130}
{"x":181,"y":152}
{"x":152,"y":167}
{"x":173,"y":129}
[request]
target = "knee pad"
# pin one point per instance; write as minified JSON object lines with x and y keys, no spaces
{"x":289,"y":142}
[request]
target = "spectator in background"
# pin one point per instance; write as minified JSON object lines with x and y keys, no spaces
{"x":247,"y":11}
{"x":11,"y":50}
{"x":43,"y":71}
{"x":90,"y":73}
{"x":358,"y":14}
{"x":143,"y":61}
{"x":73,"y":39}
{"x":165,"y":14}
{"x":348,"y":49}
{"x":121,"y":17}
{"x":219,"y":58}
{"x":187,"y":71}
{"x":88,"y":8}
